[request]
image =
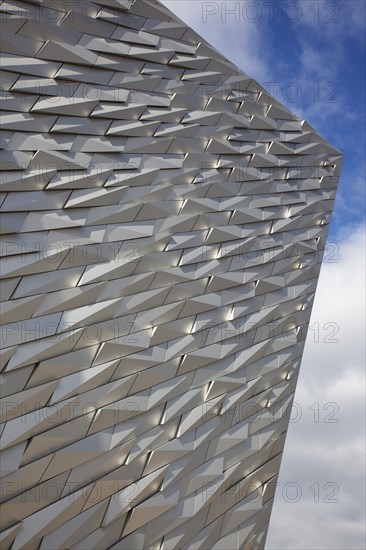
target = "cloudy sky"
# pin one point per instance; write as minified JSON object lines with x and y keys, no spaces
{"x":311,"y":56}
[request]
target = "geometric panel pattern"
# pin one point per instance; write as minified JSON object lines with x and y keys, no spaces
{"x":164,"y":222}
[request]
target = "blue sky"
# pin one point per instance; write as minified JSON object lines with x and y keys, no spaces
{"x":312,"y":55}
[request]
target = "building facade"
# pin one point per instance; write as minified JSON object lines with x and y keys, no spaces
{"x":164,"y":222}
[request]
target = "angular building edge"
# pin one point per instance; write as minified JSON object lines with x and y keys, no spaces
{"x":164,"y":223}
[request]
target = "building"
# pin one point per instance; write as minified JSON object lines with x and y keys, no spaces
{"x":164,"y":224}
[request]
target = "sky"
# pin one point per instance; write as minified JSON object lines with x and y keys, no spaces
{"x":311,"y":56}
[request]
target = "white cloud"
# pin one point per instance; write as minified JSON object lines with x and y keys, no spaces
{"x":320,"y":455}
{"x":338,"y":19}
{"x":233,"y":35}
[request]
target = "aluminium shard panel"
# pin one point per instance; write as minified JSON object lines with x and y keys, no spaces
{"x":164,"y":221}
